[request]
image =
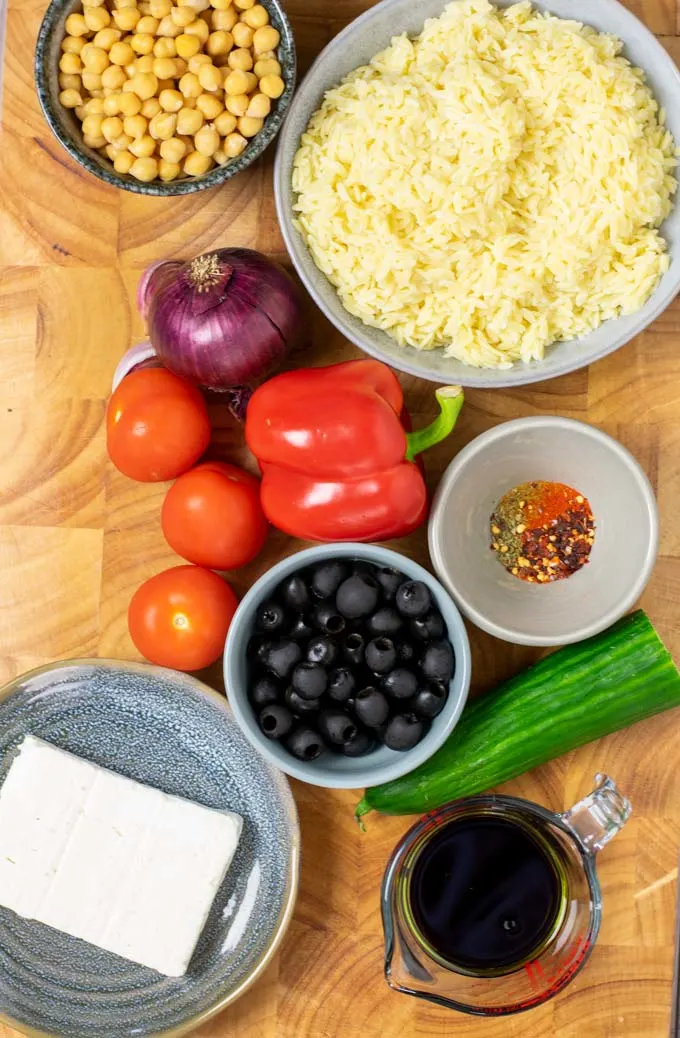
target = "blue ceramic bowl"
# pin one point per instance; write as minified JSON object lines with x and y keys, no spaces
{"x":334,"y":770}
{"x":66,"y":127}
{"x":170,"y":731}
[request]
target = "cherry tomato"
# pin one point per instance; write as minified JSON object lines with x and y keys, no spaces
{"x":180,"y":617}
{"x":212,"y":516}
{"x":157,"y":425}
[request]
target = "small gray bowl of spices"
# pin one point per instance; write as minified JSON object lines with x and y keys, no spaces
{"x":162,"y":99}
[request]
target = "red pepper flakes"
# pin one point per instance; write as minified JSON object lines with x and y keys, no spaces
{"x":543,"y":531}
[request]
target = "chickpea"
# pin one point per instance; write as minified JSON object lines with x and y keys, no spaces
{"x":243,"y":35}
{"x":240,"y":59}
{"x":76,"y":25}
{"x":219,"y":42}
{"x":252,"y":82}
{"x":168,"y":28}
{"x":129,"y":104}
{"x":225,"y":123}
{"x":113,"y":77}
{"x":235,"y":145}
{"x":106,"y":38}
{"x":95,"y":59}
{"x":249,"y":127}
{"x":187,"y":45}
{"x":119,"y":4}
{"x":144,"y":84}
{"x":127,"y":19}
{"x":80,"y":112}
{"x":209,"y":105}
{"x":207,"y":140}
{"x":122,"y":143}
{"x":244,"y":5}
{"x":181,"y":65}
{"x":236,"y":83}
{"x":70,"y":98}
{"x":197,"y":5}
{"x":135,"y":126}
{"x":94,"y":106}
{"x":160,"y":8}
{"x":237,"y":104}
{"x":196,"y":60}
{"x":164,"y":68}
{"x":144,"y":168}
{"x":272,"y":86}
{"x":143,"y":147}
{"x":112,"y":128}
{"x":170,"y":100}
{"x":173,"y":149}
{"x":73,"y":82}
{"x":168,"y":170}
{"x":70,"y":64}
{"x":220,"y":5}
{"x":199,"y":29}
{"x":123,"y":162}
{"x":151,"y":107}
{"x":164,"y":47}
{"x":266,"y":38}
{"x":189,"y":121}
{"x":259,"y":108}
{"x":190,"y":86}
{"x":220,"y":157}
{"x":196,"y":164}
{"x":92,"y":81}
{"x":182,"y":16}
{"x":256,"y":17}
{"x":96,"y":18}
{"x":162,"y":126}
{"x":94,"y":142}
{"x":147,"y":26}
{"x":144,"y":64}
{"x":224,"y":20}
{"x":121,"y":53}
{"x":112,"y":104}
{"x":267,"y":67}
{"x":210,"y":78}
{"x":92,"y":125}
{"x":142,"y":43}
{"x":109,"y":151}
{"x":72,"y":44}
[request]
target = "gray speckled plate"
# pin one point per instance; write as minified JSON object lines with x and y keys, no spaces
{"x":170,"y":731}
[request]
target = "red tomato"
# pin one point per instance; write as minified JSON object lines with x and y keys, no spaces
{"x":157,"y":425}
{"x":212,"y":516}
{"x":180,"y":617}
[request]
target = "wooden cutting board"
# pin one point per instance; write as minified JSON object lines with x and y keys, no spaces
{"x":77,"y":538}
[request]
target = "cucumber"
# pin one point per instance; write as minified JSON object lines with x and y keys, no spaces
{"x":571,"y":697}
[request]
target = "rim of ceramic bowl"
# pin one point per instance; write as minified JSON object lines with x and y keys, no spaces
{"x":92,"y":162}
{"x":366,"y":776}
{"x":278,"y":778}
{"x":521,"y":373}
{"x":447,"y":485}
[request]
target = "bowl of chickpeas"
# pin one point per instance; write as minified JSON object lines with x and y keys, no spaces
{"x":165,"y":97}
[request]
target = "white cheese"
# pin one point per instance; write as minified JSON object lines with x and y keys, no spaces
{"x":101,"y":857}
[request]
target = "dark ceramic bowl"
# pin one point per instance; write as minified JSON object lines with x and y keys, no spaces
{"x":170,"y":731}
{"x":66,"y":127}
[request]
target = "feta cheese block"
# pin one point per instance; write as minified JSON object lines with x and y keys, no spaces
{"x":99,"y":856}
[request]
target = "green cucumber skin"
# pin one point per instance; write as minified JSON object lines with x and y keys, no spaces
{"x":570,"y":698}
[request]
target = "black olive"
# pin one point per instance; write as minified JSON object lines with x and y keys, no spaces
{"x":361,"y":743}
{"x":327,"y":576}
{"x":437,"y":661}
{"x":390,"y":580}
{"x":413,"y":599}
{"x":406,"y":652}
{"x":336,"y":727}
{"x":275,"y":721}
{"x":385,"y":621}
{"x":400,"y":683}
{"x":264,"y":692}
{"x":353,"y":648}
{"x":427,"y":703}
{"x":327,"y":618}
{"x":428,"y":627}
{"x":322,"y":650}
{"x":357,"y":596}
{"x":371,"y":707}
{"x":294,"y":593}
{"x":300,"y":629}
{"x":403,"y":732}
{"x":305,"y":744}
{"x":310,"y":680}
{"x":299,"y":705}
{"x":341,"y":685}
{"x":280,"y":657}
{"x":270,"y":617}
{"x":381,"y":655}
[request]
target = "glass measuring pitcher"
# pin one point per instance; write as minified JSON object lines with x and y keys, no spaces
{"x":491,"y":905}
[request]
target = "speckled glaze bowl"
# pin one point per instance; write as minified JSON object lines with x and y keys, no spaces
{"x":331,"y":769}
{"x":170,"y":731}
{"x":66,"y":127}
{"x":355,"y":46}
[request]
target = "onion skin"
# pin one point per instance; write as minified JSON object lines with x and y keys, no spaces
{"x":225,"y":319}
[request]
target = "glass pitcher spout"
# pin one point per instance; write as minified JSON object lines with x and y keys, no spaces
{"x":597,"y":818}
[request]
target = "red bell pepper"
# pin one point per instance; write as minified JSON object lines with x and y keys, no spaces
{"x":337,"y":463}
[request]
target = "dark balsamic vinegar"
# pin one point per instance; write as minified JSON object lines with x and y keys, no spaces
{"x":486,"y":893}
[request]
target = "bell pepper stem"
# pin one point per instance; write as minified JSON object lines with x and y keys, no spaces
{"x":450,"y":400}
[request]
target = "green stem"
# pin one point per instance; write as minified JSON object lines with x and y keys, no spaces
{"x":450,"y":400}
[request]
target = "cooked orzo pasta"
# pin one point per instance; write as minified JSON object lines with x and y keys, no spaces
{"x":490,"y":187}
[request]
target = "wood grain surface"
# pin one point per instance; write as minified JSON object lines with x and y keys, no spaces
{"x":77,"y":538}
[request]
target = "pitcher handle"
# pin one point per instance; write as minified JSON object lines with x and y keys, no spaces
{"x":599,"y":816}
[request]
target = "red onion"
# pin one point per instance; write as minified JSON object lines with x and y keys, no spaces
{"x":141,"y":355}
{"x":222,"y":320}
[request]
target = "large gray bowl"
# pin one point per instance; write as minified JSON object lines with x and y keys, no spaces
{"x":355,"y":46}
